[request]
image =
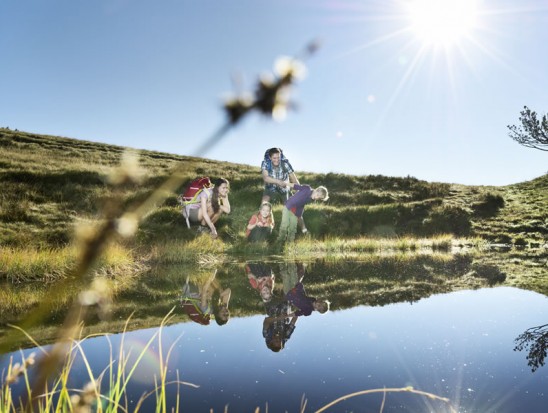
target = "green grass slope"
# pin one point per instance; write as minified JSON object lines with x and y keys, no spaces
{"x":50,"y":183}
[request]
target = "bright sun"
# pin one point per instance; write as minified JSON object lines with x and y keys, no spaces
{"x":442,"y":22}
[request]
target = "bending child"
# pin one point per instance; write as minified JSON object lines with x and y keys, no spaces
{"x":294,"y":208}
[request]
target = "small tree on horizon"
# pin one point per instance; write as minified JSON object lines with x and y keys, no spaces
{"x":532,"y":132}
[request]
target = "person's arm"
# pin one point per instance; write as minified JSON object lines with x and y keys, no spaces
{"x":293,"y":178}
{"x":266,"y":325}
{"x":225,"y":296}
{"x":253,"y":280}
{"x":269,"y":180}
{"x":253,"y":221}
{"x":290,"y":328}
{"x":224,"y":205}
{"x":205,"y":216}
{"x":207,"y":290}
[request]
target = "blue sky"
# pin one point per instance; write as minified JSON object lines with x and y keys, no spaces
{"x":380,"y":95}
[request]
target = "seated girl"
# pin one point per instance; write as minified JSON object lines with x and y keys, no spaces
{"x":260,"y":224}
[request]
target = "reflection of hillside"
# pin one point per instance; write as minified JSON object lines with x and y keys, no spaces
{"x":388,"y":280}
{"x":374,"y":281}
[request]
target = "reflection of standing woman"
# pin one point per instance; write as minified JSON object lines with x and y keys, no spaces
{"x":213,"y":203}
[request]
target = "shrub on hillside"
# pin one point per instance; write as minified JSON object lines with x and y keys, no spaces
{"x":410,"y":218}
{"x":488,"y":205}
{"x":15,"y":211}
{"x":448,"y":220}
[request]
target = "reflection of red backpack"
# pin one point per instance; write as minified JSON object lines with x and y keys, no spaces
{"x":190,"y":195}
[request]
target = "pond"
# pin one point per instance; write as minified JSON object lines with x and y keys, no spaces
{"x":430,"y":323}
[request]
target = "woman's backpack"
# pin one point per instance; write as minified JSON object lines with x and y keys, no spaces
{"x":191,"y":193}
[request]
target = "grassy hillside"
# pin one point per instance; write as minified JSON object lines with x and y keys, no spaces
{"x":51,"y":183}
{"x":55,"y":186}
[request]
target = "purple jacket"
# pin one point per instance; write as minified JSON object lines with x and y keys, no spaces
{"x":296,"y":202}
{"x":298,"y":298}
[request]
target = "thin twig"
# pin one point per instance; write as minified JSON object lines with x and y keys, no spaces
{"x":389,"y":390}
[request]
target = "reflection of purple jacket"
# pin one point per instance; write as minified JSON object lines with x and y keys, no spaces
{"x":296,"y":202}
{"x":298,"y":298}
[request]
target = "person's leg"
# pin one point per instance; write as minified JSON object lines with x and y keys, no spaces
{"x":195,"y":215}
{"x":292,"y":227}
{"x":214,"y":217}
{"x":274,"y":197}
{"x":284,"y":225}
{"x":259,"y":234}
{"x":302,"y":226}
{"x":288,"y":271}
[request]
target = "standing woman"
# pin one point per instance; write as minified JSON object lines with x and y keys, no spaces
{"x":213,"y":203}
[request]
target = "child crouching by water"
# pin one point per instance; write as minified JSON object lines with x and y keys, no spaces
{"x":260,"y":224}
{"x":294,"y":208}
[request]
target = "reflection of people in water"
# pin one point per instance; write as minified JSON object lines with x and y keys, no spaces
{"x":287,"y":305}
{"x":261,"y":278}
{"x":291,"y":272}
{"x":205,"y":298}
{"x":278,"y":326}
{"x":305,"y":305}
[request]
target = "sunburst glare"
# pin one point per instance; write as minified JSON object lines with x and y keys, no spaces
{"x":442,"y":22}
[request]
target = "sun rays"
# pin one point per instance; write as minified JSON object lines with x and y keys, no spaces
{"x":442,"y":22}
{"x":435,"y":45}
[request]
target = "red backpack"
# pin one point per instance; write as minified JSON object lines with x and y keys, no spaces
{"x":194,"y":188}
{"x":190,"y":195}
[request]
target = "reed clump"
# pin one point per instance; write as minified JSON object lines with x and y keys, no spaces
{"x":52,"y":264}
{"x":103,"y":392}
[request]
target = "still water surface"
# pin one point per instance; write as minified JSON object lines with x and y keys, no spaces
{"x":457,"y":344}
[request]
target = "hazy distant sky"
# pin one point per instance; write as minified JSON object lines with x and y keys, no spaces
{"x":389,"y":92}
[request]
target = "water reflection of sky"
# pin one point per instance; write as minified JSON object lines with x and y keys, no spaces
{"x":457,"y":345}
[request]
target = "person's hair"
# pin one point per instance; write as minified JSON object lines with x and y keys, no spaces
{"x":324,"y":308}
{"x":217,"y":313}
{"x":217,"y":306}
{"x":272,"y":151}
{"x":215,"y":196}
{"x":269,"y":205}
{"x":266,"y":203}
{"x":275,"y":347}
{"x":323,"y":191}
